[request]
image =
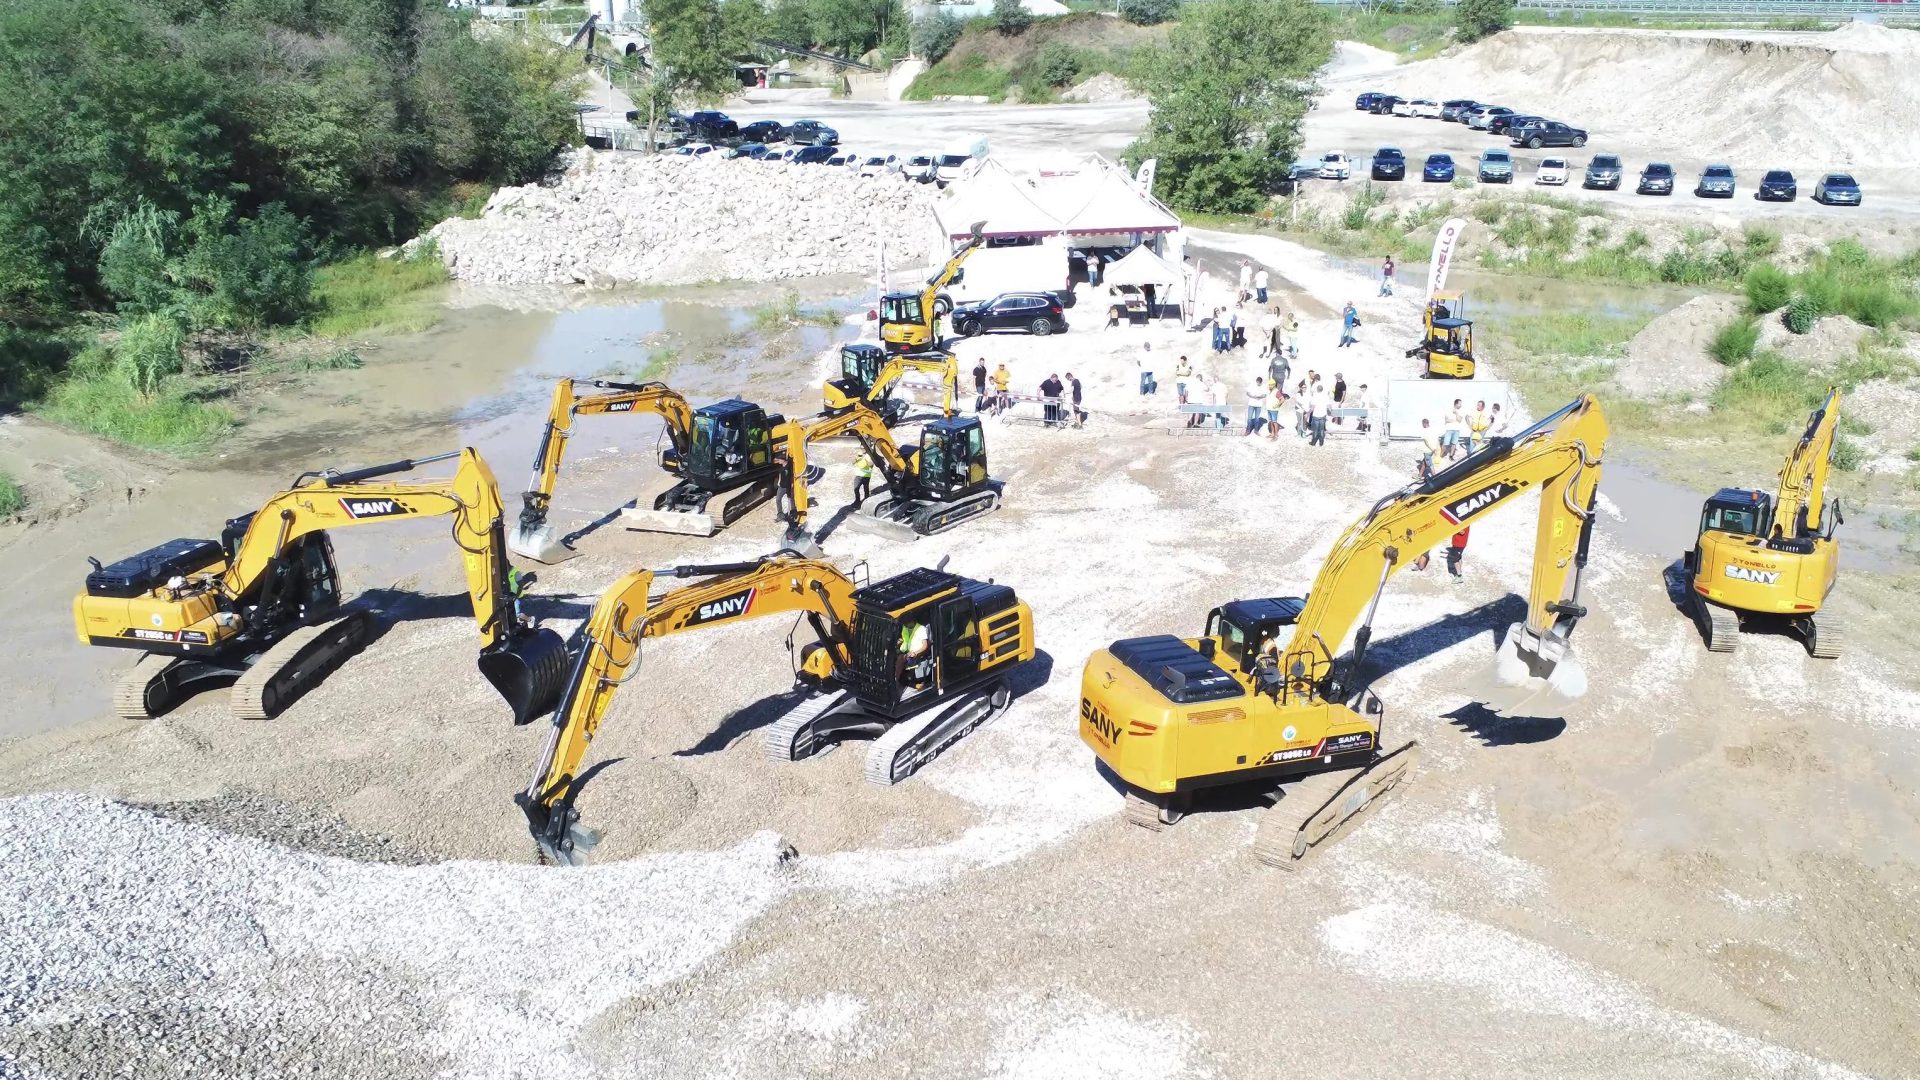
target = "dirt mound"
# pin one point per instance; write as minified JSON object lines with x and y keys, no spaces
{"x":1756,"y":98}
{"x":1892,"y":410}
{"x":1670,"y":355}
{"x":1832,"y":339}
{"x":1102,"y":87}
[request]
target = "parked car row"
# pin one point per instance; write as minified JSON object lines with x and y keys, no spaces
{"x":1604,"y":173}
{"x":719,"y":129}
{"x":1521,"y":129}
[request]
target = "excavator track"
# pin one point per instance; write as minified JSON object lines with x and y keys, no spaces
{"x":135,"y":696}
{"x":791,"y":737}
{"x":1720,"y":625}
{"x":1155,"y":812}
{"x":907,"y":520}
{"x":1315,"y":811}
{"x":296,"y":664}
{"x":910,"y":744}
{"x":1826,"y":635}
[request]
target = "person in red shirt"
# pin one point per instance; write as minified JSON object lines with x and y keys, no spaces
{"x":1456,"y":550}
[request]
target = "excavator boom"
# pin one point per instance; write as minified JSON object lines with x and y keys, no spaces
{"x":1798,"y":508}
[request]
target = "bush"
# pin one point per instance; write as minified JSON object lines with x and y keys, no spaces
{"x":1010,"y":17}
{"x":1802,"y":313}
{"x":934,"y":35}
{"x":1847,"y":454}
{"x":1368,"y":197}
{"x":1148,"y":12}
{"x":1770,"y":389}
{"x":12,"y":499}
{"x":1476,"y":19}
{"x":1057,"y":64}
{"x":148,"y":352}
{"x":1768,"y":289}
{"x":1486,"y":212}
{"x":1735,"y":341}
{"x":247,"y":273}
{"x":1759,"y":242}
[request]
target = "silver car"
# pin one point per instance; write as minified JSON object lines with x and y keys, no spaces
{"x":1716,"y":182}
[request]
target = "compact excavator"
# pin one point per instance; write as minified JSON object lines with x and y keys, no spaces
{"x":1763,"y":559}
{"x":868,"y":374}
{"x":914,"y":662}
{"x":720,"y":452}
{"x":1297,"y":721}
{"x":1446,"y":342}
{"x":909,"y":321}
{"x":260,"y":608}
{"x":929,"y":488}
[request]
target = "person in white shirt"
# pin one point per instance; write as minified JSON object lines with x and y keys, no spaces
{"x":1256,"y":404}
{"x":1260,"y":285}
{"x":1322,"y":405}
{"x":1269,"y":340}
{"x":1246,"y":278}
{"x":1499,"y":427}
{"x":1453,"y":430}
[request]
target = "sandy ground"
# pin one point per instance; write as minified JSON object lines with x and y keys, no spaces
{"x":1707,"y":869}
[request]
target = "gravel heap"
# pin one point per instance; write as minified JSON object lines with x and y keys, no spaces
{"x":613,"y":218}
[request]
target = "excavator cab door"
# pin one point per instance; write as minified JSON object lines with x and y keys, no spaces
{"x":318,"y":575}
{"x":902,"y":322}
{"x":953,"y":458}
{"x":860,"y":364}
{"x":731,"y":439}
{"x":957,"y":637}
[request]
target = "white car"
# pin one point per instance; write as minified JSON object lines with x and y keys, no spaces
{"x":1335,"y":167}
{"x":875,"y":166}
{"x":1552,"y":170}
{"x":1403,"y":108}
{"x":1423,"y":107}
{"x":695,"y":149}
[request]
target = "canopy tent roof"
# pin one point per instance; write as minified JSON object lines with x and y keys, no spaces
{"x":998,"y":198}
{"x":1141,"y":267}
{"x":1102,"y":199}
{"x":1107,"y":201}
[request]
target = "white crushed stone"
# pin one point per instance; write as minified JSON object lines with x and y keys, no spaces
{"x":1077,"y":1037}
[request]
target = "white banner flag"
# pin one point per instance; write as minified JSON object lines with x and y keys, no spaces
{"x":1444,"y":244}
{"x":1143,"y":180}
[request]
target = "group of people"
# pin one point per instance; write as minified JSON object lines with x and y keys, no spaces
{"x":1461,"y":432}
{"x":1060,"y":398}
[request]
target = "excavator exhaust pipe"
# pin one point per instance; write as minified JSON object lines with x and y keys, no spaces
{"x":529,"y":672}
{"x":541,"y":543}
{"x":1534,"y":675}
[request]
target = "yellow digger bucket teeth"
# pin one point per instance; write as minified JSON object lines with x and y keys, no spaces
{"x":529,"y":672}
{"x":541,"y":544}
{"x":1534,"y":676}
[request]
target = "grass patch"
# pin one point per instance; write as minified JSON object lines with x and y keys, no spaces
{"x":367,"y":294}
{"x":1411,"y":36}
{"x":12,"y":499}
{"x":1571,"y":333}
{"x":969,"y":76}
{"x":180,"y":416}
{"x":1735,"y":341}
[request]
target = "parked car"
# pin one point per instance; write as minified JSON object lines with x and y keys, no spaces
{"x":1552,"y":171}
{"x":1389,"y":164}
{"x":1364,"y":103}
{"x":1482,"y":118}
{"x":752,"y":150}
{"x":693,"y":149}
{"x":1402,"y":106}
{"x":1455,"y":111}
{"x":1335,"y":166}
{"x":1423,"y":108}
{"x":812,"y":132}
{"x":764,"y":131}
{"x":817,"y":154}
{"x":919,"y":168}
{"x":711,"y":127}
{"x":1837,"y":189}
{"x":1385,"y":104}
{"x":1505,"y":125}
{"x":1656,"y":179}
{"x":844,"y":160}
{"x":1604,"y":171}
{"x":1303,"y":169}
{"x":1777,"y":186}
{"x":1546,"y":133}
{"x":1716,"y":182}
{"x":876,"y":166}
{"x":1438,"y":169}
{"x":1496,"y":167}
{"x":1035,"y":313}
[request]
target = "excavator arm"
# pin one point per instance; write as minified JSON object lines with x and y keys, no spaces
{"x":943,"y":366}
{"x":1560,"y":457}
{"x":859,"y":421}
{"x":1798,"y":509}
{"x":610,"y":655}
{"x":532,"y":537}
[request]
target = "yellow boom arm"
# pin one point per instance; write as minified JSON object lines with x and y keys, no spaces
{"x":610,"y":655}
{"x":860,"y":422}
{"x":943,"y":366}
{"x":653,"y":397}
{"x":1560,"y":457}
{"x":1803,"y":476}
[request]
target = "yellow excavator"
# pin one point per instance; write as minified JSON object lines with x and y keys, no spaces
{"x":929,"y":488}
{"x":1446,"y":345}
{"x":260,"y":608}
{"x":909,"y":321}
{"x":914,"y":662}
{"x":868,"y":374}
{"x":1761,"y":559}
{"x":721,"y":453}
{"x":1263,"y":699}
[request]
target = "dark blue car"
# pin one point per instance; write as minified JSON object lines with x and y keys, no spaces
{"x":1438,"y":170}
{"x":814,"y":155}
{"x":1837,"y":189}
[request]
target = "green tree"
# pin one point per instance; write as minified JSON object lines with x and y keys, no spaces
{"x":1475,"y":19}
{"x":791,"y":21}
{"x":847,"y":27}
{"x":244,"y":273}
{"x":744,"y":22}
{"x":1010,"y":17}
{"x":1148,"y":12}
{"x":1226,"y":96}
{"x":1057,"y":63}
{"x":934,"y":35}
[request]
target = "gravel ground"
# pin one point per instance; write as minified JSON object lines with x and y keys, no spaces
{"x":1708,"y":869}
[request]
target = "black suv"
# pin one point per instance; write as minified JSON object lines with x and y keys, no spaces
{"x":1383,"y":104}
{"x":812,"y":132}
{"x":763,"y":131}
{"x":1511,"y":122}
{"x":1541,"y":133}
{"x":711,"y":127}
{"x":1656,"y":179}
{"x":1389,"y":164}
{"x":1777,"y":186}
{"x":1603,"y":171}
{"x":1364,"y":103}
{"x":1035,"y":313}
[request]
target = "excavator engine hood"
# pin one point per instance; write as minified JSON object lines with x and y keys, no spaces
{"x":530,"y":672}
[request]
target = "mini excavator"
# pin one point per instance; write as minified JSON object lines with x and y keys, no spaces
{"x":260,"y":607}
{"x":1446,"y":343}
{"x":1773,"y":559}
{"x":909,"y":321}
{"x":914,"y":662}
{"x":720,"y":453}
{"x":868,"y":374}
{"x":1171,"y":717}
{"x":929,"y":488}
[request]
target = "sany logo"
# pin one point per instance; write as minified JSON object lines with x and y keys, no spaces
{"x":620,"y":406}
{"x":1460,"y":511}
{"x":1103,"y":726}
{"x":359,"y":509}
{"x":1758,"y":577}
{"x":726,"y":607}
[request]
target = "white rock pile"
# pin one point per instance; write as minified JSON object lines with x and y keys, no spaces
{"x":615,"y":218}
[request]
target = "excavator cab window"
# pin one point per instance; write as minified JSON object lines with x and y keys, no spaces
{"x":953,"y":456}
{"x":729,"y":438}
{"x":1746,"y":517}
{"x":959,"y":640}
{"x":1232,"y":637}
{"x":901,"y":308}
{"x":319,"y":578}
{"x":861,"y":364}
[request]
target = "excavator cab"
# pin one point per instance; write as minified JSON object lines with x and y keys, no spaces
{"x":952,"y":462}
{"x":1447,"y":344}
{"x":731,"y":445}
{"x":919,"y":633}
{"x":860,"y":367}
{"x":1738,"y":512}
{"x":903,"y":323}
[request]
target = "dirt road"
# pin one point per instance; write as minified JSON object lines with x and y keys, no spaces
{"x":1706,"y":870}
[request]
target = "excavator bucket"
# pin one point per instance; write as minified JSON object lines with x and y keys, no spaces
{"x":1534,"y":676}
{"x":541,"y":543}
{"x":530,"y":672}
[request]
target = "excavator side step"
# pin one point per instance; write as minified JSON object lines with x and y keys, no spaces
{"x":1315,"y":811}
{"x":296,"y":664}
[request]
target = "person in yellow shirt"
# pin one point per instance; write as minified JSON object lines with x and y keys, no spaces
{"x":1002,"y":379}
{"x":1429,"y":447}
{"x":1477,"y":426}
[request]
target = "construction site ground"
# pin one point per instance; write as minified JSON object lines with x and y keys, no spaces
{"x":1706,"y":869}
